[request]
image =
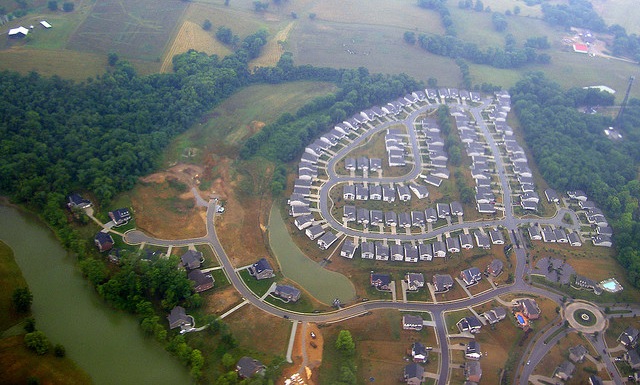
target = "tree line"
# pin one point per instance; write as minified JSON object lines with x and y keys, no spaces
{"x":572,"y":152}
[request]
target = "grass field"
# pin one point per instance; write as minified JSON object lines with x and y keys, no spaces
{"x":10,"y":279}
{"x":17,"y":365}
{"x":623,"y":12}
{"x":138,"y":30}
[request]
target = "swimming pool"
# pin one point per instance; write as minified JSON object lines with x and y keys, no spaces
{"x":611,"y":285}
{"x":520,"y":319}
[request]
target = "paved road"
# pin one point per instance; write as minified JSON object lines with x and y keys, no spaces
{"x":361,"y":309}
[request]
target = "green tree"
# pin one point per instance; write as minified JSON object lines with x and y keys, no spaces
{"x":30,"y":325}
{"x":59,"y":350}
{"x":37,"y":341}
{"x":410,"y":37}
{"x":196,"y":361}
{"x":345,"y":343}
{"x":22,"y":299}
{"x":52,"y":5}
{"x":112,"y":59}
{"x":206,"y":25}
{"x":68,"y":6}
{"x":228,"y":361}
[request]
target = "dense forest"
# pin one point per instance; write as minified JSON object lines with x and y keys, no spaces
{"x":573,"y":153}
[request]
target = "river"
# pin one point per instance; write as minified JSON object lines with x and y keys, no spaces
{"x":107,"y":344}
{"x":323,"y":284}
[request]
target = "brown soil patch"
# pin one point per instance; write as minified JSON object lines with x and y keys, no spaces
{"x":222,"y":300}
{"x":192,"y":36}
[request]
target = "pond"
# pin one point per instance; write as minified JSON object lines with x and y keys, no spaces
{"x":323,"y":284}
{"x":107,"y":344}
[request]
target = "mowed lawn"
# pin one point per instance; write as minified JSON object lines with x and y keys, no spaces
{"x":135,"y":29}
{"x":10,"y":279}
{"x":623,"y":12}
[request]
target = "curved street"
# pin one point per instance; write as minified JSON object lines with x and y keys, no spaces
{"x":534,"y":352}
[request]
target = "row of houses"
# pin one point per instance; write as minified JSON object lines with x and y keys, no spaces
{"x":448,"y":94}
{"x":435,"y":144}
{"x":395,"y":147}
{"x":416,"y":218}
{"x":549,"y":234}
{"x":396,"y":251}
{"x":363,"y":164}
{"x":595,"y":217}
{"x":384,"y":193}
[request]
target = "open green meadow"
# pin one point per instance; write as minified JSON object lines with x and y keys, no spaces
{"x":623,"y":12}
{"x":136,"y":29}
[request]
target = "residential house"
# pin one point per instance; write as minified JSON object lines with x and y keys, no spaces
{"x":466,"y":241}
{"x":495,"y":315}
{"x":362,"y":164}
{"x":192,"y":259}
{"x":561,"y":236}
{"x":178,"y":318}
{"x":495,"y":268}
{"x":431,"y":215}
{"x":413,"y":374}
{"x":76,"y":200}
{"x":419,"y":191}
{"x":548,"y":235}
{"x":564,"y":371}
{"x":362,"y":192}
{"x":574,"y":239}
{"x":419,"y":352}
{"x":471,"y":276}
{"x":552,"y":196}
{"x":595,"y":380}
{"x":453,"y":244}
{"x":375,"y":193}
{"x":367,"y":250}
{"x":534,"y":233}
{"x":287,"y":293}
{"x":417,"y":219}
{"x":201,"y":281}
{"x":103,"y":241}
{"x":410,"y":253}
{"x":397,"y":252}
{"x":388,"y":194}
{"x":404,"y":194}
{"x":350,"y":164}
{"x":528,"y":205}
{"x":120,"y":216}
{"x":439,"y":249}
{"x":314,"y":232}
{"x":605,"y":230}
{"x":376,"y":217}
{"x":633,"y":359}
{"x":304,"y":183}
{"x":456,"y":209}
{"x":348,"y":213}
{"x":390,"y":218}
{"x":469,"y":324}
{"x":529,"y":308}
{"x":629,"y":337}
{"x":375,"y":164}
{"x":578,"y":195}
{"x":442,"y":282}
{"x":261,"y":270}
{"x":486,"y":208}
{"x":472,"y":350}
{"x":425,"y":250}
{"x":326,"y":240}
{"x":304,"y":221}
{"x":432,"y":180}
{"x":577,"y":353}
{"x":442,"y":173}
{"x":362,"y":217}
{"x":380,"y":281}
{"x":248,"y":367}
{"x":443,"y":210}
{"x":348,"y":249}
{"x":404,"y":220}
{"x":298,"y":211}
{"x":582,"y":282}
{"x":472,"y":371}
{"x":348,"y":192}
{"x":412,"y":322}
{"x":382,"y":251}
{"x":415,"y":281}
{"x":482,"y":240}
{"x":602,"y":240}
{"x":496,"y":237}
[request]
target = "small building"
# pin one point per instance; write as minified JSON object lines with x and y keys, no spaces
{"x":633,"y":359}
{"x":629,"y":337}
{"x":574,"y":239}
{"x":375,"y":193}
{"x":103,"y":241}
{"x":456,"y":209}
{"x":287,"y":293}
{"x":472,"y":371}
{"x":495,"y":268}
{"x":18,"y":32}
{"x":431,"y":215}
{"x":417,"y":219}
{"x":577,"y":353}
{"x":413,"y":374}
{"x":45,"y":24}
{"x":367,"y":250}
{"x":404,"y":194}
{"x":482,"y":240}
{"x":410,"y":253}
{"x":349,"y":192}
{"x":472,"y":350}
{"x":564,"y":371}
{"x":201,"y":281}
{"x":304,"y":221}
{"x":534,"y":233}
{"x":178,"y":318}
{"x":471,"y":276}
{"x":578,"y":195}
{"x":529,"y":308}
{"x":496,"y":237}
{"x":192,"y":259}
{"x":314,"y":232}
{"x":439,"y":249}
{"x":76,"y":200}
{"x":415,"y":281}
{"x":419,"y":352}
{"x":469,"y":324}
{"x":453,"y":244}
{"x":419,"y":191}
{"x":328,"y":239}
{"x":348,"y":249}
{"x":425,"y":251}
{"x":248,"y":367}
{"x":120,"y":216}
{"x":602,"y":240}
{"x":495,"y":315}
{"x":443,"y":210}
{"x":397,"y":252}
{"x":380,"y":281}
{"x":442,"y":282}
{"x":552,"y":196}
{"x":261,"y":270}
{"x":362,"y":192}
{"x":412,"y":322}
{"x":466,"y":241}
